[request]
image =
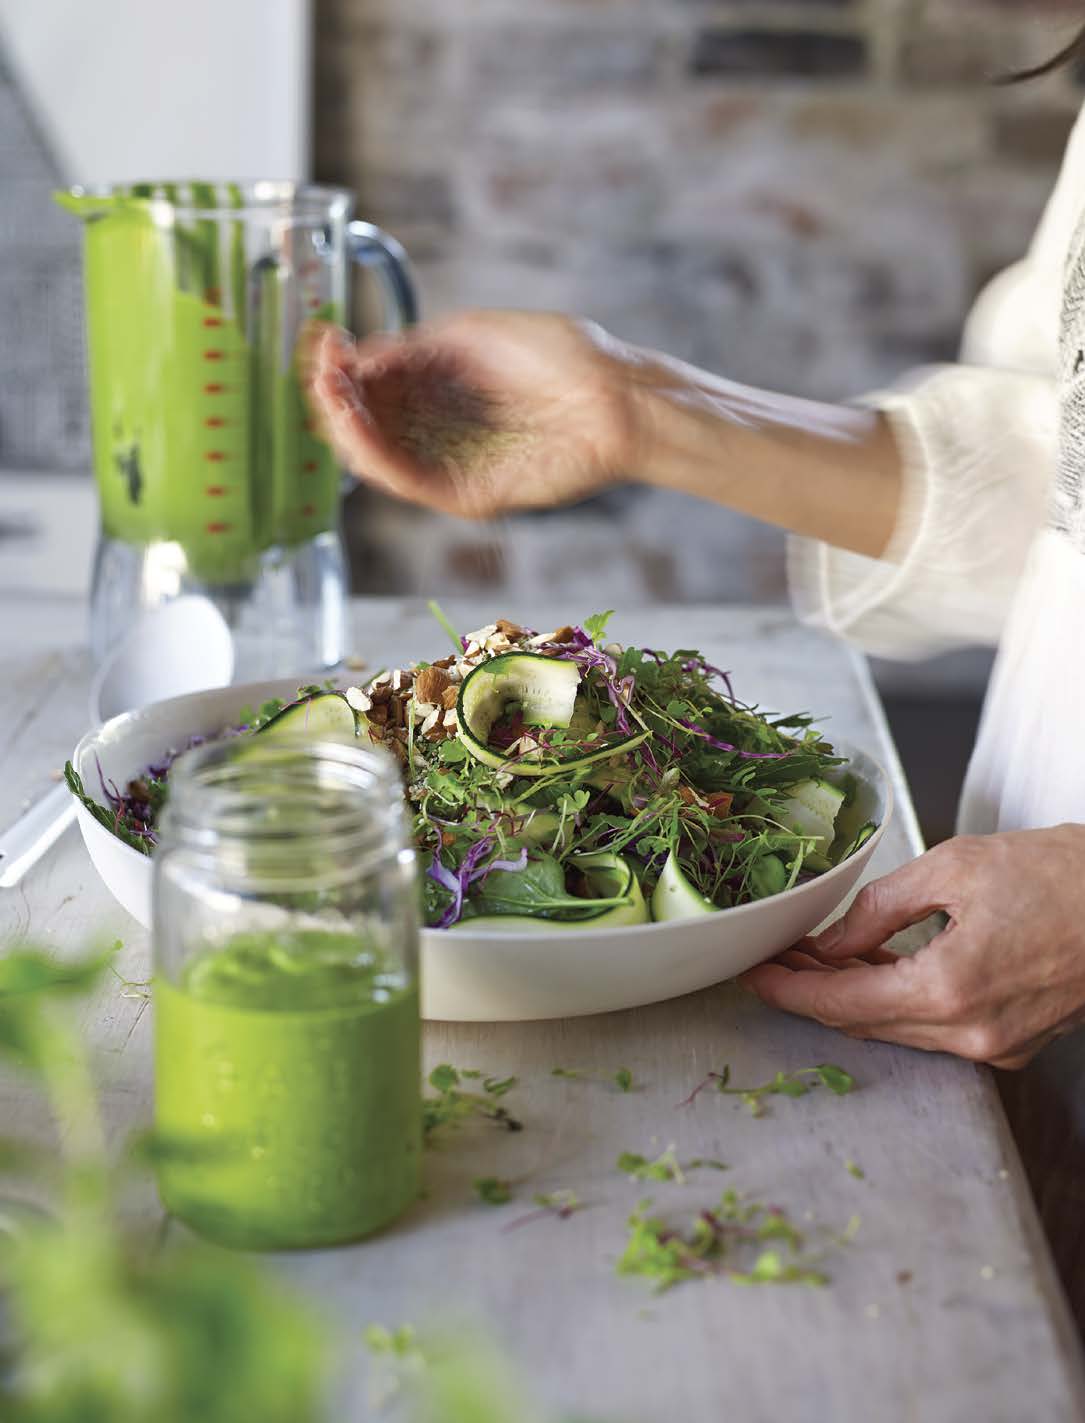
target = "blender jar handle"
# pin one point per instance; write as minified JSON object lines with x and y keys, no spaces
{"x":370,"y":247}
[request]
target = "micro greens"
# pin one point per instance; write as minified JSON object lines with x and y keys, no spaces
{"x":453,"y":1106}
{"x":783,"y":1084}
{"x":622,"y":1079}
{"x":665,"y":1167}
{"x":718,"y":1242}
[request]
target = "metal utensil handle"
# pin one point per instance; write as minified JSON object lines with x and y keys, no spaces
{"x":23,"y":844}
{"x":370,"y":247}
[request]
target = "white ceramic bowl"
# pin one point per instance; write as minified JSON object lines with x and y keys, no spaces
{"x":493,"y":976}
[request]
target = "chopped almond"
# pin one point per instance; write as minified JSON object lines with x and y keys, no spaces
{"x":564,"y":634}
{"x":449,"y":697}
{"x":511,"y":630}
{"x":430,"y":684}
{"x":719,"y":803}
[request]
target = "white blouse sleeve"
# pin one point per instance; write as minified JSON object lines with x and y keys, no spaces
{"x":978,"y":442}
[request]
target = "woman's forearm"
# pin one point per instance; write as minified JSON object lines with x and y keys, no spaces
{"x":830,"y":472}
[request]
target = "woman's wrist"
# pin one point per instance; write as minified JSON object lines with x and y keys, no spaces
{"x":832,"y":472}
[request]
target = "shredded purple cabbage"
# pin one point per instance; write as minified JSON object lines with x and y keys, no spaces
{"x":727,"y":746}
{"x":581,"y":650}
{"x":458,"y":882}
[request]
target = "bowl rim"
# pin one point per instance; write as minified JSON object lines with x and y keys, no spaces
{"x":533,"y":936}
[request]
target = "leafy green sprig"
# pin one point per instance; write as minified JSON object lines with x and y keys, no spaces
{"x":783,"y":1084}
{"x":719,"y":1243}
{"x":664,"y":1167}
{"x":452,"y":1106}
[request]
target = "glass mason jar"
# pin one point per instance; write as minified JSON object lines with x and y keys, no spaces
{"x":287,"y":1092}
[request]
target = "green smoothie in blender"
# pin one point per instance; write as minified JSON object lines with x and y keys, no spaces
{"x":201,"y":433}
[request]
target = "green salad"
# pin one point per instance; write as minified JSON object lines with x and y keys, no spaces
{"x":559,"y":779}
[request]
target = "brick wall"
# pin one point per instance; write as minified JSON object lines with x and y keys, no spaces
{"x":805,"y":195}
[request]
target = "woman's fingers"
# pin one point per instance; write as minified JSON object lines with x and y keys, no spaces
{"x":857,"y":997}
{"x":885,"y":907}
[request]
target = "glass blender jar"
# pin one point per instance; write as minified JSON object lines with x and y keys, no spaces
{"x":201,"y":301}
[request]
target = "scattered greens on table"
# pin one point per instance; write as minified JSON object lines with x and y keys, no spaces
{"x":783,"y":1084}
{"x":563,"y":779}
{"x":747,"y":1242}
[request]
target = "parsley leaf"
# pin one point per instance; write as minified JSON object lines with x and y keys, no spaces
{"x":596,"y":626}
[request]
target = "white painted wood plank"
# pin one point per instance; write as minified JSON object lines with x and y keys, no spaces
{"x":977,"y":1330}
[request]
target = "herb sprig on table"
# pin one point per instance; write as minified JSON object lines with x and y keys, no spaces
{"x":783,"y":1084}
{"x":454,"y":1105}
{"x":748,"y":1243}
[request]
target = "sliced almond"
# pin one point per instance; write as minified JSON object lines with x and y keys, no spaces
{"x":481,"y":635}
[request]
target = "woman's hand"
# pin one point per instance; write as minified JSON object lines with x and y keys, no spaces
{"x":482,"y":412}
{"x":1005,"y":977}
{"x":497,"y":410}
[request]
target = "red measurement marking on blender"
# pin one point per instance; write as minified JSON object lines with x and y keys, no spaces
{"x":218,"y":528}
{"x":216,"y":490}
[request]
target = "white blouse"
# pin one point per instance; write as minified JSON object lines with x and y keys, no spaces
{"x":990,"y":542}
